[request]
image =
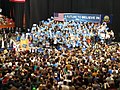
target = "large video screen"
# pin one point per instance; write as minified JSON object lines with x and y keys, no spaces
{"x":17,"y":0}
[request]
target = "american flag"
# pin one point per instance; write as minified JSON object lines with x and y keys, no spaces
{"x":59,"y":16}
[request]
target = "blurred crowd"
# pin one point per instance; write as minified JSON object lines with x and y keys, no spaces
{"x":70,"y":34}
{"x":4,"y":20}
{"x":69,"y":56}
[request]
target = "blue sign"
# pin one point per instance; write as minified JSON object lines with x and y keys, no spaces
{"x":96,"y":18}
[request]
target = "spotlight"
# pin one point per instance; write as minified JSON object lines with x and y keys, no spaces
{"x":0,"y":10}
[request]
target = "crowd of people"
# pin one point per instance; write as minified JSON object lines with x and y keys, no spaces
{"x":71,"y":34}
{"x":68,"y":56}
{"x":4,"y":20}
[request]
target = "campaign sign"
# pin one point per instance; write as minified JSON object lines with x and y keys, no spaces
{"x":96,"y":18}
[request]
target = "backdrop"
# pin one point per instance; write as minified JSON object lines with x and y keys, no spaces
{"x":35,"y":10}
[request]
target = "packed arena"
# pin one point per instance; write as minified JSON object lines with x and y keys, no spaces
{"x":62,"y":56}
{"x":59,"y":45}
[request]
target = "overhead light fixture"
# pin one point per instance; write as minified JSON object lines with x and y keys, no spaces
{"x":0,"y":10}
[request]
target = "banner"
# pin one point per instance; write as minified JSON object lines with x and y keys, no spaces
{"x":17,"y":0}
{"x":96,"y":18}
